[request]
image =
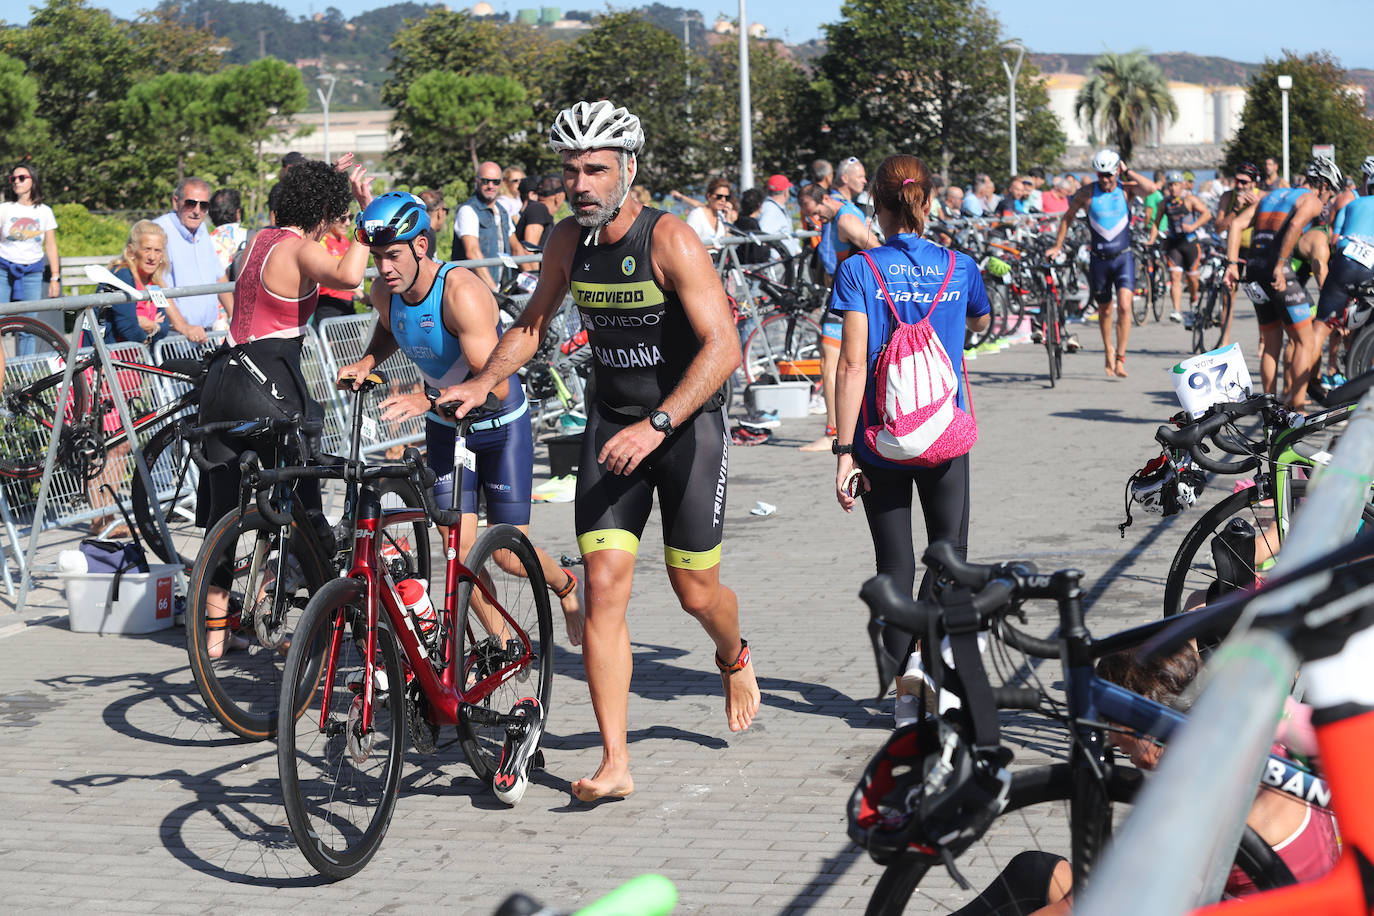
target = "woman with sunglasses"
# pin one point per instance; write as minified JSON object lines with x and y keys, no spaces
{"x":28,"y":236}
{"x":708,"y":221}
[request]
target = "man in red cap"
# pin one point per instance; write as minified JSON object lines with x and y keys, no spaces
{"x":773,"y":217}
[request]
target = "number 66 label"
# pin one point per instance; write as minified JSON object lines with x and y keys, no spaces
{"x":1210,"y":378}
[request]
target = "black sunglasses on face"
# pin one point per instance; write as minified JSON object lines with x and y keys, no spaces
{"x":195,"y":204}
{"x":18,"y":178}
{"x":720,"y":196}
{"x":489,"y":181}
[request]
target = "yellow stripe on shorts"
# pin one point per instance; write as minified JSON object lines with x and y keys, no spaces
{"x":692,"y":559}
{"x":608,"y":539}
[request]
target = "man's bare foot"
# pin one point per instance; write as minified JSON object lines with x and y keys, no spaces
{"x":609,"y":782}
{"x":1121,"y":365}
{"x":820,"y":445}
{"x":574,"y":621}
{"x":741,"y":697}
{"x":1111,"y":365}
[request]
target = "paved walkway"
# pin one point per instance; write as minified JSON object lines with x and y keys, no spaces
{"x":121,"y":794}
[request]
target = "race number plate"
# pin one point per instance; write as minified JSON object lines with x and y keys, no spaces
{"x":1210,"y":378}
{"x":369,"y":429}
{"x":157,"y":297}
{"x":527,"y":282}
{"x":464,"y":455}
{"x":1359,"y":252}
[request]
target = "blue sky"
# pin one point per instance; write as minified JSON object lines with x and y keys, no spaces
{"x":1226,"y":28}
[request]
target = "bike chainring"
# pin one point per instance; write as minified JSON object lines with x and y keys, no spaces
{"x":424,"y":734}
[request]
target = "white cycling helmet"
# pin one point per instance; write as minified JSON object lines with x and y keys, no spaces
{"x":1323,"y":169}
{"x":1368,"y":169}
{"x":1106,"y":161}
{"x":596,"y":125}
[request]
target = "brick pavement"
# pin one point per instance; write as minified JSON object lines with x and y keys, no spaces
{"x":122,"y":794}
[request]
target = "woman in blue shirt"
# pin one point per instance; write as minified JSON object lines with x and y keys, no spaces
{"x":144,"y":264}
{"x":913,"y":270}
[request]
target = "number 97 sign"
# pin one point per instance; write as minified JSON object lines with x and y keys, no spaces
{"x":1210,"y":378}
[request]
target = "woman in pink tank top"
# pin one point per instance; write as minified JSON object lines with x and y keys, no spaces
{"x":274,"y":297}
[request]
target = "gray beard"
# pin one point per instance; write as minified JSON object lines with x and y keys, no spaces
{"x":602,"y":214}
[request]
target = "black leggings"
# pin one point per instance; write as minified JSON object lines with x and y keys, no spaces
{"x":944,"y":493}
{"x":1022,"y":887}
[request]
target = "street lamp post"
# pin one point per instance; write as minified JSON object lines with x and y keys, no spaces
{"x":1012,"y":72}
{"x":326,"y":93}
{"x":1285,"y":83}
{"x":746,"y":118}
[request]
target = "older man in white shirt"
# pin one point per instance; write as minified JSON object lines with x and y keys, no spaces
{"x":193,"y":260}
{"x":773,"y":216}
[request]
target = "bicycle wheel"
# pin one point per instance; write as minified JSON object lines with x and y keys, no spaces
{"x":1194,"y":567}
{"x":175,"y":477}
{"x":786,"y":346}
{"x":1202,"y":315}
{"x":1218,"y":314}
{"x":487,"y":642}
{"x":241,"y":686}
{"x":1000,"y":322}
{"x":1359,"y":357}
{"x":340,"y":784}
{"x":1159,"y":287}
{"x":404,"y":545}
{"x":1140,"y":300}
{"x":34,"y":357}
{"x":1049,"y":316}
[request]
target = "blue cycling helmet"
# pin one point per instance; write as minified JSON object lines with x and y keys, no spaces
{"x":396,"y":216}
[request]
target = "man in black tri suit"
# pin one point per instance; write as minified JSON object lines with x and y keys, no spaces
{"x":665,"y":342}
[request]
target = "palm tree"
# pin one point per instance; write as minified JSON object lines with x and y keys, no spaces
{"x":1126,"y":95}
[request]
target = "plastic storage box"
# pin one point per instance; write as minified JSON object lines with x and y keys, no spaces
{"x":145,"y":601}
{"x":789,"y":399}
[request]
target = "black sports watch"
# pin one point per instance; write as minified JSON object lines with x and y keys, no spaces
{"x":837,"y":449}
{"x":661,"y":422}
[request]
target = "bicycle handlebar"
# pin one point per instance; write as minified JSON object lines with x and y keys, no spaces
{"x":1190,"y":438}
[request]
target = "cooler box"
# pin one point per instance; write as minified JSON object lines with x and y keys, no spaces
{"x":564,"y":452}
{"x":145,"y":601}
{"x":789,"y":399}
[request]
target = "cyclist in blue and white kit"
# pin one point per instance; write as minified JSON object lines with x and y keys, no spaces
{"x":446,"y":320}
{"x":1112,"y":267}
{"x":1354,"y":245}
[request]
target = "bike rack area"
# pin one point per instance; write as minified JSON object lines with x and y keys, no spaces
{"x":59,"y":499}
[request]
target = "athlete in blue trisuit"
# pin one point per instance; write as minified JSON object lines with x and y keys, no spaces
{"x":1278,"y":220}
{"x":665,"y":343}
{"x":446,"y":320}
{"x":1352,"y":259}
{"x":1112,"y":266}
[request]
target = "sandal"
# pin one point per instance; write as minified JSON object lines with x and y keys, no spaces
{"x":741,"y":660}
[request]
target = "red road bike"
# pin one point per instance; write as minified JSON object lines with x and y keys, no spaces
{"x":375,"y":669}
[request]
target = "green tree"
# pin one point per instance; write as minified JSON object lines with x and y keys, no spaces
{"x":776,"y":83}
{"x":451,"y":114}
{"x":455,"y":43}
{"x":651,"y":81}
{"x":84,"y":61}
{"x":20,"y":128}
{"x":926,"y":78}
{"x":1124,"y":98}
{"x":1322,"y":108}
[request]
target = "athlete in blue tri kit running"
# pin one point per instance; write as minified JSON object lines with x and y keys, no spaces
{"x":1112,"y":266}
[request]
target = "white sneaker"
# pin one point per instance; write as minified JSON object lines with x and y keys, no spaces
{"x":558,"y":490}
{"x":1175,"y":317}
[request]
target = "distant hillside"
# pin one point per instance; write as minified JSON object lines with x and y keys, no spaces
{"x":1185,"y":68}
